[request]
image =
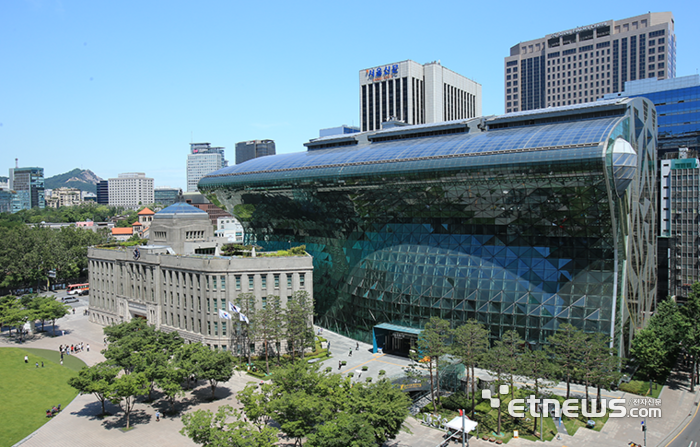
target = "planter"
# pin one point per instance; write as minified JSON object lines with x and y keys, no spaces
{"x":344,"y":362}
{"x":485,"y":438}
{"x":365,"y":368}
{"x":382,"y":372}
{"x":499,"y":442}
{"x":492,"y":439}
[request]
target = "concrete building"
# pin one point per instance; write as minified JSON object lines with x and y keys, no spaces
{"x":56,"y":198}
{"x":523,"y":221}
{"x":416,"y":94}
{"x":28,"y":184}
{"x":170,"y":287}
{"x":248,"y":150}
{"x":131,"y":190}
{"x":583,"y":64}
{"x":679,"y":258}
{"x":230,"y":228}
{"x":202,"y":160}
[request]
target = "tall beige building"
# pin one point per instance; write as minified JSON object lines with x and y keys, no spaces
{"x":416,"y":94}
{"x":131,"y":190}
{"x":583,"y":64}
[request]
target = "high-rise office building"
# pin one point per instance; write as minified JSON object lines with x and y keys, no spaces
{"x":416,"y":94}
{"x":677,"y":102}
{"x":103,"y":192}
{"x":583,"y":64}
{"x":131,"y":190}
{"x":680,"y":183}
{"x":28,"y":183}
{"x":202,"y":160}
{"x":248,"y":150}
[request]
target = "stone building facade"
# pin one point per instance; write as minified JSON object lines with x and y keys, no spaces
{"x":175,"y":290}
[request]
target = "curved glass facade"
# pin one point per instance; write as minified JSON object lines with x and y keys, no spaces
{"x":523,"y":226}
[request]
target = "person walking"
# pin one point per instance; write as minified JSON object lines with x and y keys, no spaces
{"x":340,"y":365}
{"x":157,"y":416}
{"x":88,"y":347}
{"x":26,"y":359}
{"x":357,"y":347}
{"x":350,"y":354}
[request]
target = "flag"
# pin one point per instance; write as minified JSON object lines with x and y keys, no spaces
{"x":224,"y":314}
{"x":233,"y":308}
{"x":243,"y":318}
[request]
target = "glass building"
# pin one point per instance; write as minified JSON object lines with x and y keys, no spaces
{"x":523,"y":221}
{"x":677,"y":102}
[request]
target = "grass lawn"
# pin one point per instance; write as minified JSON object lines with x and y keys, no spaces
{"x":573,"y":424}
{"x":641,"y":387}
{"x":28,"y":391}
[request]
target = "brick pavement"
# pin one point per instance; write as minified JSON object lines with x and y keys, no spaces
{"x":79,"y":425}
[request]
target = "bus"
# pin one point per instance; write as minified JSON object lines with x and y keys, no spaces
{"x":78,"y":289}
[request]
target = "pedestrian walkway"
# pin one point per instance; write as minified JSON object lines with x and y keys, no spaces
{"x":79,"y":423}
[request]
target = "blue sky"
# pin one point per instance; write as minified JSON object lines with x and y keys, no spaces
{"x":126,"y":86}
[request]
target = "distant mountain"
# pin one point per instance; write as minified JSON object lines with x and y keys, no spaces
{"x":83,"y":179}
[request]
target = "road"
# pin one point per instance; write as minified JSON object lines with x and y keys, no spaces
{"x":690,"y":435}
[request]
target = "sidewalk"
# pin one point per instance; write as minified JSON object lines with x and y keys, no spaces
{"x":78,"y":424}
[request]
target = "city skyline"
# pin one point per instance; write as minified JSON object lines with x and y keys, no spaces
{"x":83,"y":90}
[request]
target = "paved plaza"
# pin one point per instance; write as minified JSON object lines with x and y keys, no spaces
{"x":79,"y":424}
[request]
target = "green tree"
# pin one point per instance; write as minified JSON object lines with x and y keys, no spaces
{"x":346,"y":430}
{"x":299,"y":316}
{"x":383,"y":407}
{"x":214,"y":366}
{"x":537,"y":366}
{"x":125,"y":390}
{"x":256,"y":402}
{"x":652,"y":354}
{"x":565,"y":347}
{"x":170,"y":381}
{"x":514,"y":345}
{"x":431,"y":345}
{"x":213,"y":430}
{"x":97,"y":379}
{"x":268,"y":325}
{"x":497,"y":363}
{"x":691,"y":331}
{"x":186,"y":358}
{"x":308,"y":403}
{"x":54,"y":310}
{"x":246,"y":303}
{"x":471,"y":342}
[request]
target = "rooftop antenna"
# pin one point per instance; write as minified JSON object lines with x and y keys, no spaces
{"x":16,"y":163}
